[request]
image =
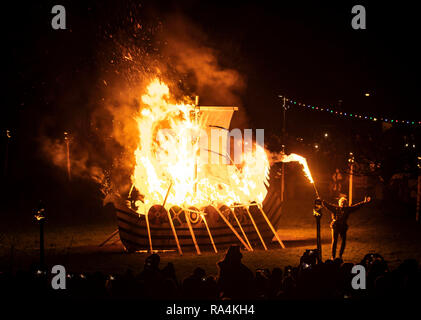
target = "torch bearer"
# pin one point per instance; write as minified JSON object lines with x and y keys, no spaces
{"x":39,"y":215}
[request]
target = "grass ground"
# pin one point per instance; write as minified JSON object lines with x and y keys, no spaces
{"x":76,"y":246}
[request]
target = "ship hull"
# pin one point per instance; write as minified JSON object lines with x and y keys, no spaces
{"x":134,"y":234}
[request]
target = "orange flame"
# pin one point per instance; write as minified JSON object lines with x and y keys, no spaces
{"x":162,"y":159}
{"x":301,"y":160}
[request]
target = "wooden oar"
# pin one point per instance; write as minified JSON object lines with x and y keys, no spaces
{"x":109,"y":238}
{"x":171,"y":222}
{"x":174,"y":233}
{"x":257,"y":230}
{"x":232,"y":229}
{"x":192,"y":233}
{"x":242,"y":230}
{"x":210,"y":235}
{"x":271,"y":227}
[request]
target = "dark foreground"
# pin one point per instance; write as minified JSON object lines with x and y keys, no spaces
{"x":110,"y":272}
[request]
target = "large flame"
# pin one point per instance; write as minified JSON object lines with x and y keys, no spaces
{"x":169,"y":163}
{"x":295,"y":157}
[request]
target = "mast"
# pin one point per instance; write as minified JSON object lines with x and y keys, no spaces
{"x":196,"y":122}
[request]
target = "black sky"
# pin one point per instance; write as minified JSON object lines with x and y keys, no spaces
{"x":305,"y":50}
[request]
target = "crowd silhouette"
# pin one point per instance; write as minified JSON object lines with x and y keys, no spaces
{"x":310,"y":279}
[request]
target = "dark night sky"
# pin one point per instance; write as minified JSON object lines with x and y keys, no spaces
{"x":306,"y":50}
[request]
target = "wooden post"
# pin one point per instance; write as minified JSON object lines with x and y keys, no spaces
{"x":257,"y":230}
{"x":282,"y":181}
{"x":319,"y":238}
{"x":66,"y":138}
{"x":284,"y":120}
{"x":232,"y":229}
{"x":196,"y":161}
{"x":317,"y":213}
{"x":271,"y":227}
{"x":41,"y":245}
{"x":417,"y":215}
{"x":242,"y":230}
{"x":6,"y":154}
{"x":350,"y":183}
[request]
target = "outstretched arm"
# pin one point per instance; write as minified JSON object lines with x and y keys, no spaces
{"x":360,"y":204}
{"x":329,"y":206}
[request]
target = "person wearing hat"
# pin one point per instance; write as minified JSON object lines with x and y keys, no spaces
{"x":235,"y":280}
{"x":339,"y":226}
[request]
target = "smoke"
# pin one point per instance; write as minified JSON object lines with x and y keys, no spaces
{"x":80,"y":165}
{"x":198,"y":65}
{"x":129,"y":57}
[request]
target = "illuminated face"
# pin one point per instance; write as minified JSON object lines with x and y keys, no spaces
{"x":343,"y":202}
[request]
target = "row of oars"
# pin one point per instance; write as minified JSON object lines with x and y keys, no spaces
{"x":255,"y":225}
{"x":202,"y":215}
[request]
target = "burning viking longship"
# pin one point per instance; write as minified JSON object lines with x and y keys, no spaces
{"x":187,"y":191}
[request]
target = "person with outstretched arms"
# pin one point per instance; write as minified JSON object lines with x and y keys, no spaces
{"x":339,"y":226}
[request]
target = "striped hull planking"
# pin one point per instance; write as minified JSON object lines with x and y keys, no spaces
{"x":134,"y":232}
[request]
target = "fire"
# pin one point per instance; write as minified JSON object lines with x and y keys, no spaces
{"x":167,"y":159}
{"x":301,"y":160}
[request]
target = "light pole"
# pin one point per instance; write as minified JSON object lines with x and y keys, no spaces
{"x":67,"y":140}
{"x":351,"y":161}
{"x":6,"y":155}
{"x":284,"y":120}
{"x":282,"y":176}
{"x":39,"y":215}
{"x":317,"y":212}
{"x":417,"y":214}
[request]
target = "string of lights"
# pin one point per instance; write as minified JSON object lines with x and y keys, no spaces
{"x":349,"y":115}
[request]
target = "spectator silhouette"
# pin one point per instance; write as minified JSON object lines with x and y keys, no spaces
{"x":262,"y":283}
{"x":192,"y":285}
{"x":235,"y":280}
{"x":151,"y":277}
{"x":275,"y":283}
{"x":329,"y":280}
{"x":169,"y":273}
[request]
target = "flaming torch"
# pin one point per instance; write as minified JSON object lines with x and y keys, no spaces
{"x":317,"y":209}
{"x":297,"y":158}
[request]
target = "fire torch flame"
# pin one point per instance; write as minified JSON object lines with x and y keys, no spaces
{"x":295,"y":157}
{"x":301,"y":160}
